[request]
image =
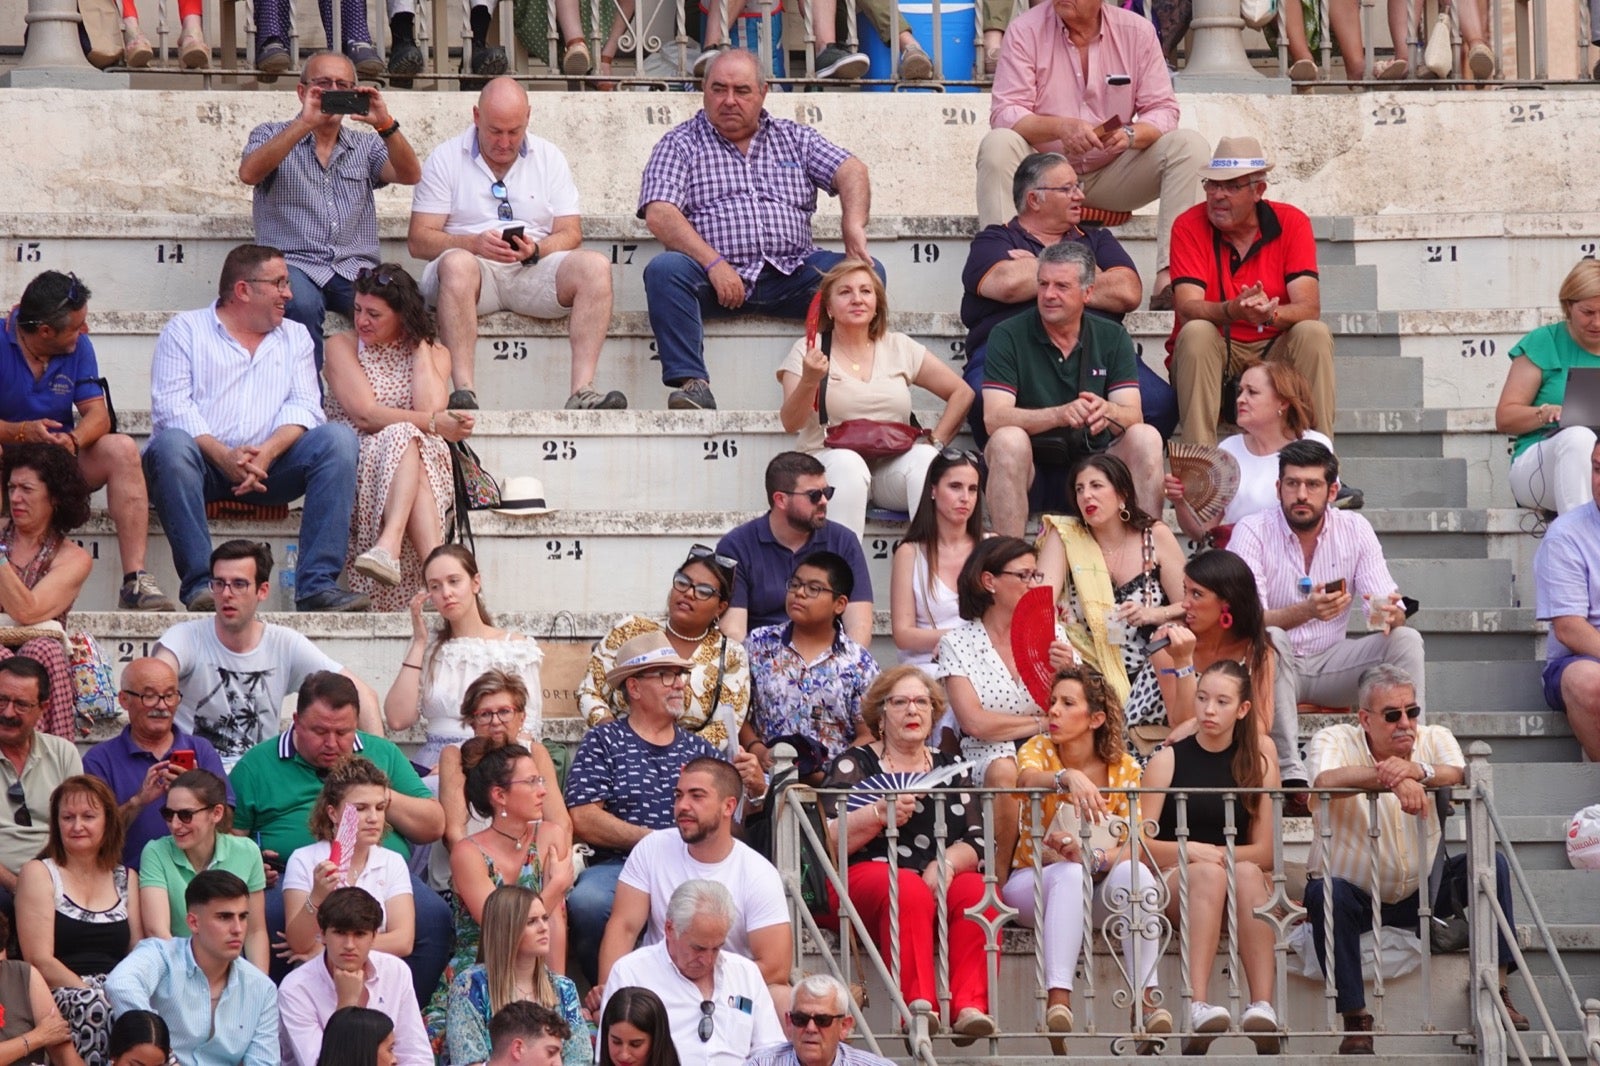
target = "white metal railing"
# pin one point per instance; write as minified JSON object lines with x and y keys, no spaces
{"x":1114,"y":1010}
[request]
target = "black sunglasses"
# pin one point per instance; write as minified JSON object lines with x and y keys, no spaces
{"x":961,"y":455}
{"x":498,"y":191}
{"x":701,"y":552}
{"x":707,"y":1026}
{"x":800,"y":1019}
{"x":1411,"y":711}
{"x":74,"y":294}
{"x":382,"y":277}
{"x":816,"y":496}
{"x":19,"y":814}
{"x":184,"y":816}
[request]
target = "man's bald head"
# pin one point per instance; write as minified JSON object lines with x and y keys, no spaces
{"x":149,"y":672}
{"x":149,"y":694}
{"x":501,"y":116}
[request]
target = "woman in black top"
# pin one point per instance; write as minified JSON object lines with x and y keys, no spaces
{"x":1221,"y":754}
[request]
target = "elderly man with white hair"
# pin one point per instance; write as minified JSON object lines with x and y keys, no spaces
{"x":819,"y":1024}
{"x":718,"y":1006}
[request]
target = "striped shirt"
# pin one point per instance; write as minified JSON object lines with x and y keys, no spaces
{"x":1346,"y":548}
{"x":784,"y":1055}
{"x":322,"y":218}
{"x":205,"y":383}
{"x":1349,"y":854}
{"x":754,"y":208}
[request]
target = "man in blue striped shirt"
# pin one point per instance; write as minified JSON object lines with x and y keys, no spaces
{"x":236,"y":414}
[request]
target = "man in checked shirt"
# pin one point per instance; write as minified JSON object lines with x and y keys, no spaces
{"x":730,"y":194}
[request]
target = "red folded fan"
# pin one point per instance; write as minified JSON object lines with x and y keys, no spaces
{"x":1033,"y":629}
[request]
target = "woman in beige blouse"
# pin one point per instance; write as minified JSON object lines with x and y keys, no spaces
{"x":869,"y":372}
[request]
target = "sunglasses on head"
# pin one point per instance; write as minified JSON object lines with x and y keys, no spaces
{"x":1412,"y":711}
{"x":74,"y":294}
{"x":961,"y":455}
{"x":381,"y":277}
{"x":700,"y":553}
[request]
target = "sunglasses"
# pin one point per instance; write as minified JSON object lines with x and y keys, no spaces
{"x":184,"y":816}
{"x":800,"y":1019}
{"x":498,"y":191}
{"x":707,"y":1026}
{"x":1411,"y":711}
{"x":816,"y":496}
{"x":699,"y":589}
{"x":961,"y":455}
{"x":74,"y":294}
{"x":19,"y":813}
{"x":701,"y":552}
{"x":382,"y":277}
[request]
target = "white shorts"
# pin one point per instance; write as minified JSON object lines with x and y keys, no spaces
{"x":527,"y":290}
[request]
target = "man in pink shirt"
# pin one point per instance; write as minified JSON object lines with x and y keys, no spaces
{"x":1087,"y":79}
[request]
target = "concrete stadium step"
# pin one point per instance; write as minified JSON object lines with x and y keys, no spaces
{"x":1540,"y":788}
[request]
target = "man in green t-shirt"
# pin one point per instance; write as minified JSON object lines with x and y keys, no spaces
{"x":1058,"y":386}
{"x":277,"y":782}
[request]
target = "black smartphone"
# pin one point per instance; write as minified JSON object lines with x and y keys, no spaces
{"x":344,"y":102}
{"x":277,"y":862}
{"x":1156,"y":645}
{"x":511,"y":232}
{"x":1410,"y":604}
{"x":1336,"y":585}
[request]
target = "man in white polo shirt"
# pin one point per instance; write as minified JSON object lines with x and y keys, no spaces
{"x":496,"y":217}
{"x":718,"y":1006}
{"x":703,"y":846}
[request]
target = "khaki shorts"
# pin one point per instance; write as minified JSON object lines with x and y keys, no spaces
{"x":527,"y":290}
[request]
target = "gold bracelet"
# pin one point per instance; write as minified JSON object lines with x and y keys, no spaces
{"x":433,"y":420}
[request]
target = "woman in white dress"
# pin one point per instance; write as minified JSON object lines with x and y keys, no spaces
{"x":434,"y":675}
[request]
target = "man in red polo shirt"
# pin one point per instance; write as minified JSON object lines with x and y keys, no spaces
{"x":1245,"y":288}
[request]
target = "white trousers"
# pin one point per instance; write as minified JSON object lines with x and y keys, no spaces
{"x":1060,"y":926}
{"x":895,"y":484}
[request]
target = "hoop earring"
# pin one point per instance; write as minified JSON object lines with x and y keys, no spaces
{"x":1225,"y":620}
{"x":1125,"y":514}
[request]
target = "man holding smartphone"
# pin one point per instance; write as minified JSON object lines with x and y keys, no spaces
{"x":1310,"y":543}
{"x":313,"y":181}
{"x":496,"y":218}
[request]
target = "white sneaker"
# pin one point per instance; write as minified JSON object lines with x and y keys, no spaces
{"x":1207,"y":1018}
{"x":1260,"y":1021}
{"x":379,"y":565}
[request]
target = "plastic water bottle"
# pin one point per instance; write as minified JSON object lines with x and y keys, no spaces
{"x":286,"y":578}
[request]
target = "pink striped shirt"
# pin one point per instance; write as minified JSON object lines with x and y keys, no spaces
{"x":1346,"y":547}
{"x":1041,"y":73}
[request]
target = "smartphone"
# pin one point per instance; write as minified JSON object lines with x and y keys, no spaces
{"x":277,"y":862}
{"x":510,"y":232}
{"x":1336,"y":585}
{"x":1410,"y":605}
{"x":182,"y":758}
{"x":1109,"y":126}
{"x":344,"y":102}
{"x":1156,"y":645}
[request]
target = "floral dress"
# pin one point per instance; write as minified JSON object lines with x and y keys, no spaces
{"x":469,"y":1012}
{"x":388,"y":370}
{"x":468,"y":934}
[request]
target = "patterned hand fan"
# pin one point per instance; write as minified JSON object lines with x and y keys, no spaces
{"x":344,"y":843}
{"x":1210,"y":477}
{"x":871,"y":789}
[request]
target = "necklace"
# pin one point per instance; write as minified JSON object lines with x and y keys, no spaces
{"x":924,"y":761}
{"x":517,"y":839}
{"x":691,"y":640}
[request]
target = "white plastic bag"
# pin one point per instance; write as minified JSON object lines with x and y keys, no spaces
{"x":1258,"y":13}
{"x":1400,"y":951}
{"x":1583,"y":839}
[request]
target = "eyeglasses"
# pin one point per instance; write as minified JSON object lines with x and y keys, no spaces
{"x":808,"y":590}
{"x":19,"y":813}
{"x":281,"y":284}
{"x":1229,"y":187}
{"x":800,"y":1019}
{"x":498,"y":714}
{"x":330,"y":83}
{"x":701,"y":552}
{"x":900,"y":703}
{"x":666,"y":675}
{"x":700,"y":590}
{"x":816,"y":496}
{"x":184,"y":816}
{"x":707,"y":1026}
{"x":1027,"y":577}
{"x":22,"y":706}
{"x":1411,"y":711}
{"x":74,"y":294}
{"x":537,"y":781}
{"x":236,"y":584}
{"x":498,"y":191}
{"x":153,"y":699}
{"x":1069,"y":188}
{"x":382,"y":277}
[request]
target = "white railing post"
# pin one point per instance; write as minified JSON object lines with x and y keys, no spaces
{"x":52,"y":57}
{"x":1483,"y":937}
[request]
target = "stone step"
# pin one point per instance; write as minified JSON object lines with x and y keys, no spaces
{"x":1545,"y":788}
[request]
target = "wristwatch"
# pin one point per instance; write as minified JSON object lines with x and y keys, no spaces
{"x":1128,"y":129}
{"x":1427,"y":771}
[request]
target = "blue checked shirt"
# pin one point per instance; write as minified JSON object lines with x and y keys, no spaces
{"x":784,"y":1055}
{"x":323,"y":219}
{"x":753,"y":208}
{"x":162,"y":976}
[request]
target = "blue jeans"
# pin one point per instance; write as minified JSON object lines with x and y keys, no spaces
{"x":310,"y":303}
{"x":588,"y":908}
{"x":1157,"y":398}
{"x":680,"y":296}
{"x":430,"y":949}
{"x":321,"y":466}
{"x":1352,"y":907}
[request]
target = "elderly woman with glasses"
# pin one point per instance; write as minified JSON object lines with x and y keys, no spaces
{"x":196,"y":811}
{"x":716,"y":697}
{"x":388,"y":379}
{"x":862,"y":371}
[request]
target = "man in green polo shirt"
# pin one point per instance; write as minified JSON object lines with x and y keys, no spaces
{"x":277,"y":782}
{"x":1060,"y":385}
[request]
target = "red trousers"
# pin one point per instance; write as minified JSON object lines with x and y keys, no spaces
{"x":869,"y":892}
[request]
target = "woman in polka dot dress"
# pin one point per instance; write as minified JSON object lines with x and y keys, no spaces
{"x":900,"y":709}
